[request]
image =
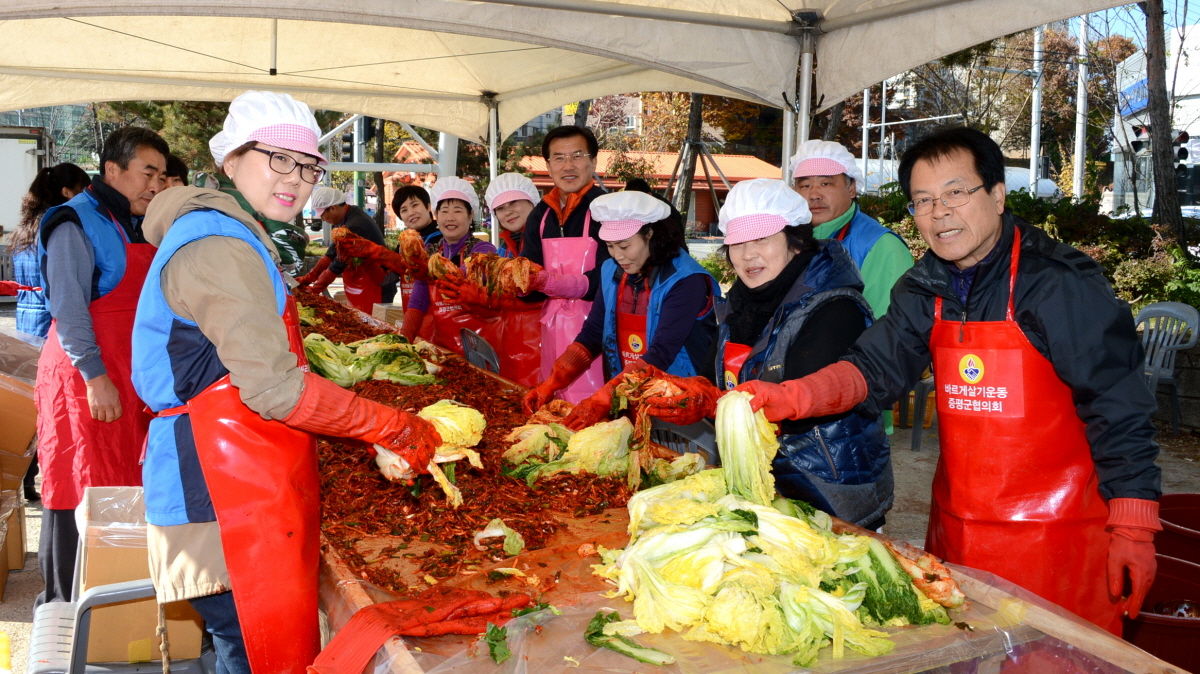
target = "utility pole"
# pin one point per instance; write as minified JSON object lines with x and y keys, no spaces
{"x":882,"y":128}
{"x":1166,"y":194}
{"x":380,"y":202}
{"x":447,"y":155}
{"x":866,"y":139}
{"x":1081,"y":110}
{"x":1035,"y":131}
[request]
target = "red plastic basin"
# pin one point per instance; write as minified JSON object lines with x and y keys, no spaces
{"x":1176,"y":640}
{"x":1180,"y":537}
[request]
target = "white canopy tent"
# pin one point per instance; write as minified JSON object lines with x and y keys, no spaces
{"x":448,"y":64}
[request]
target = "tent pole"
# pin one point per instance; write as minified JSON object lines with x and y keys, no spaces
{"x":789,"y":132}
{"x":804,"y":93}
{"x":274,"y":46}
{"x":866,"y":135}
{"x":493,"y":155}
{"x":1035,"y":133}
{"x":1081,"y":109}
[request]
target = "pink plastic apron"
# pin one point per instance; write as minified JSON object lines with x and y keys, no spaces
{"x":562,"y":319}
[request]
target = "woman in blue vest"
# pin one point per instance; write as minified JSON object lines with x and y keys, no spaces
{"x":230,"y":471}
{"x":654,"y":308}
{"x":797,"y":306}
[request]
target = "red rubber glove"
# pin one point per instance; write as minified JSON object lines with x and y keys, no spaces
{"x":323,"y":281}
{"x":830,"y":390}
{"x":321,"y":265}
{"x":469,"y":295}
{"x":698,"y":401}
{"x":10,"y":288}
{"x":325,"y":408}
{"x":572,"y":363}
{"x":598,"y":406}
{"x":1132,"y":522}
{"x":412,"y":323}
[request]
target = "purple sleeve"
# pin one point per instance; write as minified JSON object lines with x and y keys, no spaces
{"x":419,"y":299}
{"x":591,"y":335}
{"x":678,"y":316}
{"x":484,"y":248}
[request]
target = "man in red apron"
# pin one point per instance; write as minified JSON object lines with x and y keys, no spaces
{"x":1046,"y":476}
{"x":561,"y":236}
{"x":91,"y":425}
{"x":364,"y":279}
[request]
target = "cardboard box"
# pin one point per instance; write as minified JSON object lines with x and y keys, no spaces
{"x":114,"y":551}
{"x":18,"y":425}
{"x":392,"y":314}
{"x":14,"y":544}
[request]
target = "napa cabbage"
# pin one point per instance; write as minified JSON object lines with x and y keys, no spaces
{"x":747,"y":444}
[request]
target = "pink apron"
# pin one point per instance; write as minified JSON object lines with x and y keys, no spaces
{"x":562,"y":319}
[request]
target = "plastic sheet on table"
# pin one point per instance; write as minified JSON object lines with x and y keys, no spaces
{"x":19,"y":355}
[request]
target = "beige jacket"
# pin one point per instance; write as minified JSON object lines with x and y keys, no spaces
{"x":220,"y":284}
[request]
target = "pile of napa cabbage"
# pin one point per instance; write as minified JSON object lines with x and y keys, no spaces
{"x":716,"y":557}
{"x":385,"y":357}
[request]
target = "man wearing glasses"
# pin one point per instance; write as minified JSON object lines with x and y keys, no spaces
{"x":561,"y":236}
{"x":1046,"y":475}
{"x":91,"y":425}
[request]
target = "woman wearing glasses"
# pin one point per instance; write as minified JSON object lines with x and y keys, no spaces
{"x":796,"y":307}
{"x":230,"y":468}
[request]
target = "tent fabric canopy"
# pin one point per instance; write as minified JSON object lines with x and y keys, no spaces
{"x":444,"y":64}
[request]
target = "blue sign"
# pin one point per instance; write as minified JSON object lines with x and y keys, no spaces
{"x":1135,"y":98}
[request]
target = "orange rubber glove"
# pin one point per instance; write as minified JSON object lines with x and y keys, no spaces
{"x":698,"y":401}
{"x":1132,"y":522}
{"x":412,"y":323}
{"x":469,"y":295}
{"x":831,"y":390}
{"x":321,"y":265}
{"x":323,"y":281}
{"x":325,"y":408}
{"x":572,"y":363}
{"x":598,"y":406}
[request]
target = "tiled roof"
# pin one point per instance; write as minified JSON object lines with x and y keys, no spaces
{"x":737,"y":167}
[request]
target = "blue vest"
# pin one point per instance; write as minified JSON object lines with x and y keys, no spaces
{"x":864,"y":232}
{"x":108,"y":239}
{"x":172,"y":363}
{"x":671,"y":273}
{"x":843,"y":466}
{"x":33,"y":314}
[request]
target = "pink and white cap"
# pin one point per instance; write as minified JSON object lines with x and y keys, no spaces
{"x":825,"y":158}
{"x":453,"y":187}
{"x":622,"y":214}
{"x":271,"y":119}
{"x":759,"y":208}
{"x":509,"y":187}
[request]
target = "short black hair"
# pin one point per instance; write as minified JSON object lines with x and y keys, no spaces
{"x":570,"y":131}
{"x":668,"y":238}
{"x":466,"y":204}
{"x":122,"y":146}
{"x":989,"y":160}
{"x":176,"y":168}
{"x":638,"y":185}
{"x":409,"y":192}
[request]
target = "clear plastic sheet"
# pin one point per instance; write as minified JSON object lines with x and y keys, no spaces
{"x":19,"y":355}
{"x":113,"y":517}
{"x":982,"y":640}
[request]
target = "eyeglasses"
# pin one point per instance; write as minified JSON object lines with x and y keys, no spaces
{"x":560,"y":159}
{"x":951,"y":198}
{"x":285,"y":164}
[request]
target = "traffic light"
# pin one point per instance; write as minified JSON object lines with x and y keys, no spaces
{"x":1177,"y":145}
{"x":1141,"y":138}
{"x":347,"y":145}
{"x":369,"y":129}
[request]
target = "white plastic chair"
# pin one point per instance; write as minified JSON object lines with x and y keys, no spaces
{"x":1167,"y":329}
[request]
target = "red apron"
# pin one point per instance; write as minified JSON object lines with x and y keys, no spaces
{"x":1016,"y":491}
{"x":449,"y":318}
{"x":407,"y":282}
{"x":362,"y":282}
{"x":74,"y":450}
{"x":631,"y":331}
{"x":562,"y":319}
{"x":517,"y":338}
{"x":735,"y":357}
{"x":262,"y":477}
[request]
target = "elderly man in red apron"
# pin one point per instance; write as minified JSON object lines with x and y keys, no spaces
{"x":561,"y":236}
{"x":1047,"y":475}
{"x":91,"y":424}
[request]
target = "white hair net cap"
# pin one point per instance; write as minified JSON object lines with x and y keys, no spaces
{"x":323,"y":197}
{"x":825,"y":158}
{"x":269,"y":118}
{"x":622,"y":214}
{"x":453,"y":187}
{"x":759,"y":208}
{"x":510,"y":187}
